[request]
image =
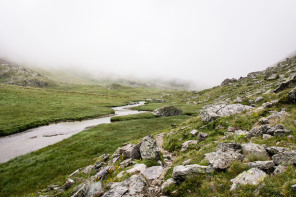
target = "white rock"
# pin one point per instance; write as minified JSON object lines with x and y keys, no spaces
{"x":186,"y":144}
{"x":137,"y":168}
{"x":253,"y":177}
{"x":153,"y":172}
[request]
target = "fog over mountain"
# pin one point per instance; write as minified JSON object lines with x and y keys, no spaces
{"x":200,"y":41}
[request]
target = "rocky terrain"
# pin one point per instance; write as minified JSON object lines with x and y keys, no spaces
{"x":242,"y":143}
{"x":14,"y":74}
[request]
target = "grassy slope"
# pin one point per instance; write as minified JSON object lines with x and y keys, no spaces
{"x":49,"y":165}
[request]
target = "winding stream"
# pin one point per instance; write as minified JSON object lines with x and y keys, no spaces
{"x":33,"y":139}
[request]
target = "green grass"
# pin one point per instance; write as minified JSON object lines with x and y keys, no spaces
{"x":34,"y":171}
{"x":23,"y":108}
{"x":133,"y":117}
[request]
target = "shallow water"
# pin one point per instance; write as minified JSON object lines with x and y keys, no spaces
{"x":33,"y":139}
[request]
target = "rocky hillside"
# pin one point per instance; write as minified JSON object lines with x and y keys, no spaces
{"x":14,"y":74}
{"x":242,"y":143}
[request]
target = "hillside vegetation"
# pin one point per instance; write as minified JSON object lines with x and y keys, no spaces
{"x":239,"y":141}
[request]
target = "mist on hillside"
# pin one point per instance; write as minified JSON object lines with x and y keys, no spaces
{"x":199,"y":42}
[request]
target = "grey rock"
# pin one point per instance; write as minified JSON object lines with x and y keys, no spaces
{"x":271,"y":76}
{"x":68,"y":184}
{"x":263,"y":121}
{"x":149,"y":149}
{"x":229,"y":146}
{"x":102,"y":173}
{"x":186,"y":144}
{"x":81,"y":190}
{"x":193,"y":132}
{"x":259,"y":99}
{"x":223,"y":159}
{"x":212,"y":112}
{"x":290,"y":83}
{"x":285,"y":158}
{"x":180,"y":173}
{"x":153,"y":172}
{"x":292,"y":96}
{"x":128,"y":151}
{"x":202,"y":136}
{"x":168,"y":111}
{"x":278,"y":115}
{"x":254,"y":149}
{"x":279,"y":169}
{"x":266,"y":136}
{"x":167,"y":183}
{"x":94,"y":189}
{"x":137,"y":168}
{"x":126,"y":163}
{"x":88,"y":169}
{"x":134,"y":186}
{"x":262,"y":165}
{"x":269,"y":104}
{"x":253,"y":176}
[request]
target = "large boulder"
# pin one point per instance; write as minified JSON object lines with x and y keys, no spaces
{"x":136,"y":185}
{"x":254,"y":149}
{"x":149,"y":148}
{"x":128,"y":151}
{"x":229,"y":146}
{"x":285,"y":158}
{"x":180,"y":173}
{"x":222,"y":160}
{"x":212,"y":112}
{"x":153,"y":172}
{"x":290,"y":83}
{"x":272,"y":150}
{"x":168,"y":111}
{"x":262,"y":165}
{"x":254,"y":176}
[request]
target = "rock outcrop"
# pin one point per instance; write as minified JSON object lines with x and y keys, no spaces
{"x":149,"y":148}
{"x":180,"y":173}
{"x":168,"y":111}
{"x":212,"y":112}
{"x":253,"y":176}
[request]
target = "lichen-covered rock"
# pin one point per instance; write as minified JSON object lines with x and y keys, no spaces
{"x":254,"y":149}
{"x":186,"y":144}
{"x":102,"y":173}
{"x":202,"y":136}
{"x":134,"y":186}
{"x":223,"y":159}
{"x":149,"y":148}
{"x":240,"y":133}
{"x":153,"y":172}
{"x":272,"y":150}
{"x":180,"y":173}
{"x":137,"y":168}
{"x":285,"y":158}
{"x":212,"y":112}
{"x":290,"y":83}
{"x":254,"y":176}
{"x":229,"y":146}
{"x":168,"y":111}
{"x":279,"y":169}
{"x":128,"y":151}
{"x":262,"y":165}
{"x":94,"y":189}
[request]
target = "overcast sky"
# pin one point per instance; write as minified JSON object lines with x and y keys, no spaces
{"x":203,"y":41}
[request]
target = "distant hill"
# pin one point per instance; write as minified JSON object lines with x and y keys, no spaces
{"x":11,"y":73}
